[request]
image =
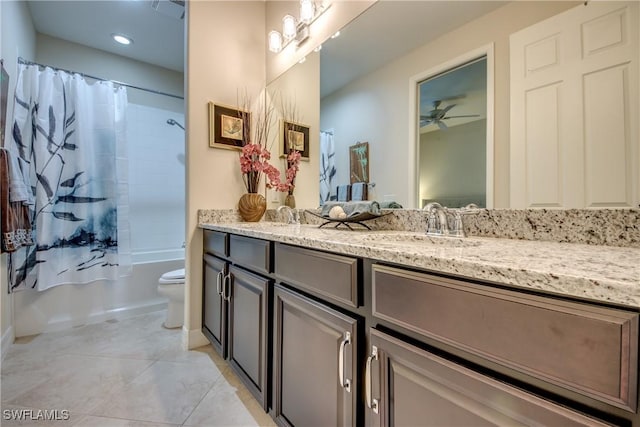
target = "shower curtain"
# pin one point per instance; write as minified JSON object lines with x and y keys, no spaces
{"x":68,"y":137}
{"x":327,"y":165}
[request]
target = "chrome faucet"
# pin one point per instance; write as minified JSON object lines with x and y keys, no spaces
{"x":293,"y":217}
{"x":437,"y":222}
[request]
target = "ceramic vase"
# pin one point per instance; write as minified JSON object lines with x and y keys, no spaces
{"x":252,"y":206}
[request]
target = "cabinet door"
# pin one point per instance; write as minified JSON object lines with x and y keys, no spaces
{"x":247,"y":297}
{"x":315,"y":362}
{"x":214,"y":311}
{"x":418,"y":388}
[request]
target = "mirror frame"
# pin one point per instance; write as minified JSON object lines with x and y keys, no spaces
{"x":414,"y":122}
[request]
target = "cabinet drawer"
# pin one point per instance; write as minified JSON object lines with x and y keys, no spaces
{"x":587,"y":349}
{"x":327,"y":275}
{"x":250,"y":253}
{"x":216,"y":243}
{"x":418,"y":388}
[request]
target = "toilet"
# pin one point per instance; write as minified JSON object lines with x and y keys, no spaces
{"x":171,"y":285}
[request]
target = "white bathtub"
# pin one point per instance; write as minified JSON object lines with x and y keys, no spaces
{"x":66,"y":306}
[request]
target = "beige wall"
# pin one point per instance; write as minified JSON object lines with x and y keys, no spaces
{"x":225,"y":56}
{"x":18,"y":38}
{"x":298,"y":87}
{"x":336,"y":16}
{"x":83,"y":59}
{"x":462,"y":147}
{"x":382,"y":98}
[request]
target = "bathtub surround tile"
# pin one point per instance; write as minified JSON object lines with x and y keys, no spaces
{"x":609,"y":227}
{"x":50,"y":371}
{"x":165,"y":393}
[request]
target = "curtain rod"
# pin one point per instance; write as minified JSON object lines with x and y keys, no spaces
{"x":25,"y":62}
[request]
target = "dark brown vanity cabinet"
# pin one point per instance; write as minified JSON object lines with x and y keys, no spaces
{"x":235,"y":306}
{"x":214,"y":313}
{"x":414,"y":387}
{"x":315,"y":363}
{"x":247,"y":298}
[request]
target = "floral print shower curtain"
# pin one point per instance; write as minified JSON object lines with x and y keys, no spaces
{"x":68,"y":136}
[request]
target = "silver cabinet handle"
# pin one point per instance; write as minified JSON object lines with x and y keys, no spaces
{"x":218,"y":282}
{"x":227,"y":289}
{"x":344,"y":383}
{"x":371,"y":403}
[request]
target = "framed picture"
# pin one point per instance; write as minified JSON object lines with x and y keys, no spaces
{"x":294,"y":136}
{"x":359,"y":162}
{"x":228,"y":126}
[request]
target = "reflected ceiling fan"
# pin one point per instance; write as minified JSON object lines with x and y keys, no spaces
{"x":437,"y":115}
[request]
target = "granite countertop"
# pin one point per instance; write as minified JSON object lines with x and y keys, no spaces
{"x":602,"y":273}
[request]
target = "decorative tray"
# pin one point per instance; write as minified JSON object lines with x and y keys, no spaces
{"x":355,"y":219}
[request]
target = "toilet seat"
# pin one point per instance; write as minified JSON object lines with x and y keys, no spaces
{"x":174,"y":277}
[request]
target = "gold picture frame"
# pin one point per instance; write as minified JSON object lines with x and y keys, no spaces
{"x":228,"y":126}
{"x":294,"y":135}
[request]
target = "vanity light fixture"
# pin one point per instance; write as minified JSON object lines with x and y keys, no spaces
{"x":122,"y":39}
{"x":289,"y":27}
{"x":275,"y":41}
{"x":297,"y":29}
{"x":307,"y":11}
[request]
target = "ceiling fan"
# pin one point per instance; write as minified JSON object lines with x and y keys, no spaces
{"x":437,"y":115}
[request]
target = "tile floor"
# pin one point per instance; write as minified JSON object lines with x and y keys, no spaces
{"x":127,"y":373}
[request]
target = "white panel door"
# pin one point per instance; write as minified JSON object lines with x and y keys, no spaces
{"x":574,"y":109}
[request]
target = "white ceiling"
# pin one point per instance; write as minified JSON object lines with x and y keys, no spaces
{"x":388,"y":30}
{"x":158,"y":38}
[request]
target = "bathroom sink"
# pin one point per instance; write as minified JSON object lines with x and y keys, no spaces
{"x":421,"y":239}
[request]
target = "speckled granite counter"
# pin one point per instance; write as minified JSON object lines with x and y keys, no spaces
{"x":602,"y":273}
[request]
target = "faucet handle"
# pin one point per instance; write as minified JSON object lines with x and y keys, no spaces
{"x":458,"y":226}
{"x":432,"y":222}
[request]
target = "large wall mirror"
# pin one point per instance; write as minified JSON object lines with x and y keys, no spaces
{"x":368,"y":79}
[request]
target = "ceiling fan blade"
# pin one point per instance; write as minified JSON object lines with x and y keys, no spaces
{"x":447,"y":108}
{"x":441,"y":125}
{"x":455,"y":117}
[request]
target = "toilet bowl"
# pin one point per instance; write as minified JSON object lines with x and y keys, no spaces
{"x":171,"y":285}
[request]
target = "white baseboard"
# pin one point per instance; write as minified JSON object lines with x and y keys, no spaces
{"x":193,"y":338}
{"x":7,"y":340}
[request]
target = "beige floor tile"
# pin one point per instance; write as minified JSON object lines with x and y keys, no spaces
{"x":79,"y":383}
{"x":124,"y":373}
{"x":92,"y":421}
{"x":167,"y":392}
{"x":221,"y":407}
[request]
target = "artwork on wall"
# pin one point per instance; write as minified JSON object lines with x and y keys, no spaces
{"x":4,"y":94}
{"x":359,"y":162}
{"x":228,"y":126}
{"x":294,"y":136}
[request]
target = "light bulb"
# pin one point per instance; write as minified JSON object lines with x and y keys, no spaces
{"x":289,"y":27}
{"x":318,"y":48}
{"x":336,"y":34}
{"x":275,"y":41}
{"x":122,"y":39}
{"x":307,"y":11}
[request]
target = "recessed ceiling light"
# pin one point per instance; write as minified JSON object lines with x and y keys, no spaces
{"x":122,"y":39}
